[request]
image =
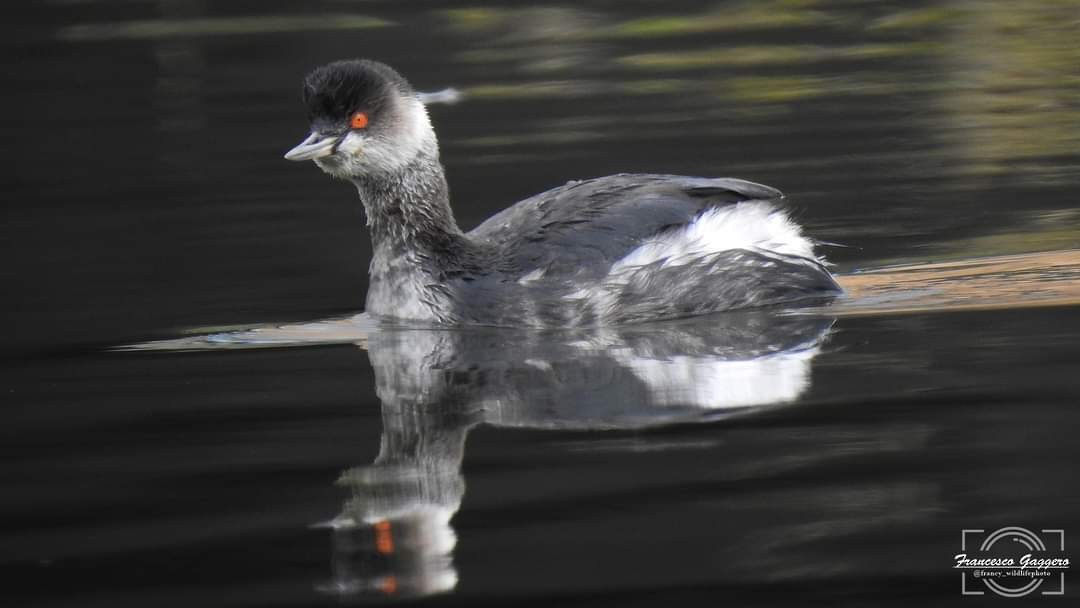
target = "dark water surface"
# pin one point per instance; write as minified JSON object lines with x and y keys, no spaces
{"x":753,"y":458}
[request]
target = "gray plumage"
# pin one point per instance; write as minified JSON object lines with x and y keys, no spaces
{"x":567,"y":257}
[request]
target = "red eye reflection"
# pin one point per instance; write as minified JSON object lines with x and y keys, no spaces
{"x":358,"y":120}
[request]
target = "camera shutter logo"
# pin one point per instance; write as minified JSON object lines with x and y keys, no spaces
{"x":1012,"y":562}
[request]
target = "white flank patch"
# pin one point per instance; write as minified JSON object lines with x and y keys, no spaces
{"x":752,"y":225}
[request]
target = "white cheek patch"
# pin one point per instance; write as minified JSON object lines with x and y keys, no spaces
{"x":373,"y":151}
{"x":353,"y":144}
{"x":383,"y":152}
{"x":417,"y":133}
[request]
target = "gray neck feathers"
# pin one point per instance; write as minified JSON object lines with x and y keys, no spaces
{"x":417,"y":247}
{"x":408,"y":211}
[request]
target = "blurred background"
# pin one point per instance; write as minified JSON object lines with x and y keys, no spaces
{"x":144,"y":194}
{"x":144,"y":175}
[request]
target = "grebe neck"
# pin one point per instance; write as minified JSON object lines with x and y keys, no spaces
{"x":409,"y":210}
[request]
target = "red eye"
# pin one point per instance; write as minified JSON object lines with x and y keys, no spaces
{"x":358,"y":120}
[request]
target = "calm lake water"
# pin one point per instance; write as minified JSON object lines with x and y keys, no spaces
{"x":831,"y":455}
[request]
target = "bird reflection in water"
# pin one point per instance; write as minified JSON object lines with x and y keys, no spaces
{"x":394,"y":534}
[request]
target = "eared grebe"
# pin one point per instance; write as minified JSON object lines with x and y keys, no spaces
{"x":616,"y":249}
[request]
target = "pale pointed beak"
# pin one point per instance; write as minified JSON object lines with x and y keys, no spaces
{"x":315,"y":146}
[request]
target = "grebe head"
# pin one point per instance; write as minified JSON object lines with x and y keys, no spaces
{"x":366,"y":121}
